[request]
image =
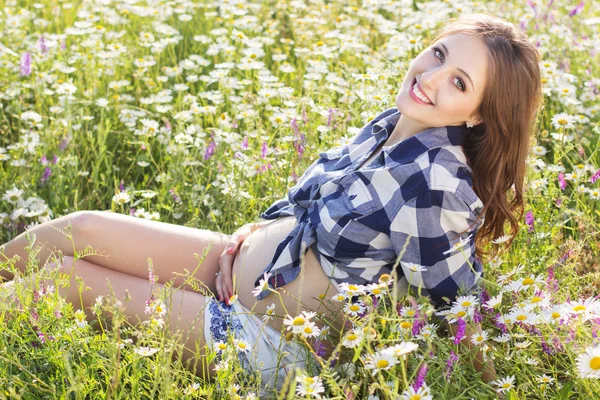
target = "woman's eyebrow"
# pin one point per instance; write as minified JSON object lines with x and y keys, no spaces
{"x":467,"y":75}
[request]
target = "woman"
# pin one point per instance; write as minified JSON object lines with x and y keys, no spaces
{"x":412,"y":186}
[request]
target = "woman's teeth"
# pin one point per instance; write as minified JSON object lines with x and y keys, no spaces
{"x":420,"y":95}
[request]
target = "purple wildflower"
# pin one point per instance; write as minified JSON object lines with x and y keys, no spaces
{"x":450,"y":364}
{"x":499,"y":324}
{"x":529,"y":220}
{"x":47,"y":173}
{"x":460,"y":333}
{"x":122,"y":185}
{"x":294,"y":125}
{"x":330,"y":116}
{"x":263,"y":152}
{"x":42,"y":45}
{"x":561,"y":181}
{"x":43,"y":160}
{"x":54,"y":159}
{"x":477,"y":317}
{"x":176,"y":198}
{"x":320,"y":349}
{"x":577,"y":9}
{"x":63,"y":145}
{"x":210,"y":150}
{"x":547,"y":349}
{"x":25,"y":66}
{"x":595,"y":177}
{"x":245,"y":143}
{"x":40,"y":335}
{"x":304,"y":116}
{"x":420,"y":377}
{"x":63,"y":45}
{"x":132,"y":211}
{"x":580,"y":149}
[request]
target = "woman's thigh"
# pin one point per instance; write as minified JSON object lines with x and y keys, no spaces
{"x":185,"y":315}
{"x":128,"y":242}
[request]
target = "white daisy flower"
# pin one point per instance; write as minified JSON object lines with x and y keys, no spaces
{"x":588,"y":363}
{"x":493,"y":302}
{"x":145,"y":351}
{"x":354,"y":309}
{"x":381,"y":361}
{"x":403,"y":348}
{"x":242,"y":345}
{"x":563,"y":120}
{"x":501,"y":239}
{"x":504,"y":384}
{"x":262,"y":285}
{"x":422,"y":394}
{"x":352,"y":339}
{"x":309,"y":386}
{"x":297,"y":324}
{"x":310,"y":330}
{"x":505,"y":337}
{"x":269,"y":313}
{"x":479,"y":338}
{"x":414,"y":267}
{"x":467,"y":301}
{"x":459,"y":245}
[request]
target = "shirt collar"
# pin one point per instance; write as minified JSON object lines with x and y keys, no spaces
{"x":410,"y":149}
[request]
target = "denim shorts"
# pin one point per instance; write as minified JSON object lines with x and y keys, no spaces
{"x":269,"y":352}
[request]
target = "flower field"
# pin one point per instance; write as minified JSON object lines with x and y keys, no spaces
{"x":203,"y":113}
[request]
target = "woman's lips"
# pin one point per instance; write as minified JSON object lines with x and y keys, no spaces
{"x":414,"y":96}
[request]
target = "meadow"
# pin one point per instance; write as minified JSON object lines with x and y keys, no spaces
{"x":203,"y":113}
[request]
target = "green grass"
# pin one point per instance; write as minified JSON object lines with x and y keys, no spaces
{"x":216,"y":152}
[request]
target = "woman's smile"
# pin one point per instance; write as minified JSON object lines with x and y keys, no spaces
{"x":418,"y":95}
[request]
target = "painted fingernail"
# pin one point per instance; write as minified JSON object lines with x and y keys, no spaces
{"x":229,"y":250}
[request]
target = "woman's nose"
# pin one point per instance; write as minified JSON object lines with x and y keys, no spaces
{"x":431,"y":78}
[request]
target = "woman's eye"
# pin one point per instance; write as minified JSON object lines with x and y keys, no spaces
{"x":462,"y":85}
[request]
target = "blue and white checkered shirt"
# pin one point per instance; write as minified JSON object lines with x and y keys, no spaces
{"x":357,"y":220}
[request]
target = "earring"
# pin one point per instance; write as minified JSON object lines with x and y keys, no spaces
{"x":469,"y":124}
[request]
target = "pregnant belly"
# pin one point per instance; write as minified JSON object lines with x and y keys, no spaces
{"x":302,"y":294}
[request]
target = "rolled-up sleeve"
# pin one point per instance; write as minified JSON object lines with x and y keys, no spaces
{"x":429,"y":225}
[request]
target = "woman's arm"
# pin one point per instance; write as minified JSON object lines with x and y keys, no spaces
{"x":487,"y":368}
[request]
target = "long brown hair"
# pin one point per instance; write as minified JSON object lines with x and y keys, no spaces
{"x":497,"y":149}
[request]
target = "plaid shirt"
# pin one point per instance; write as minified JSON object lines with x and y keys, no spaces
{"x":358,"y":220}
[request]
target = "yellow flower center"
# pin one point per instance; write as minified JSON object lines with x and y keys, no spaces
{"x":415,"y":397}
{"x":506,"y":385}
{"x":521,"y":317}
{"x":555,"y":314}
{"x":479,"y":339}
{"x":536,"y":299}
{"x":242,"y":345}
{"x":461,"y":313}
{"x":222,"y":346}
{"x":308,"y":330}
{"x":410,"y":313}
{"x":466,"y":303}
{"x":298,"y":321}
{"x":406,"y":325}
{"x":308,"y":379}
{"x":595,"y":363}
{"x":579,"y":308}
{"x":354,"y":307}
{"x":528,"y":281}
{"x":352,"y":336}
{"x":382,"y":363}
{"x":384,"y":278}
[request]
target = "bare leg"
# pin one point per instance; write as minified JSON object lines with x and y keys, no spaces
{"x":47,"y":235}
{"x":127,"y":242}
{"x":186,"y":314}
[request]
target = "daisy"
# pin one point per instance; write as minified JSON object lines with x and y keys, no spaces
{"x":377,"y":289}
{"x":354,"y":309}
{"x":220,"y":346}
{"x":386,"y":279}
{"x":479,"y":338}
{"x":459,"y":245}
{"x":414,"y":267}
{"x":403,"y":348}
{"x":467,"y":301}
{"x":531,"y":281}
{"x":563,"y":120}
{"x":309,"y":386}
{"x":493,"y":302}
{"x":351,"y":289}
{"x":262,"y":285}
{"x":545,"y":379}
{"x":341,"y":296}
{"x":422,"y":394}
{"x":408,"y":312}
{"x":501,"y":239}
{"x":588,"y":363}
{"x":297,"y":324}
{"x":522,"y":345}
{"x":242,"y":345}
{"x":310,"y":330}
{"x":504,"y":384}
{"x":352,"y":339}
{"x":80,"y":319}
{"x":505,"y":337}
{"x":269,"y":313}
{"x":554,"y":314}
{"x":531,"y":361}
{"x":587,"y":309}
{"x":521,"y":315}
{"x":145,"y":351}
{"x":381,"y":361}
{"x":428,"y":331}
{"x":515,"y":271}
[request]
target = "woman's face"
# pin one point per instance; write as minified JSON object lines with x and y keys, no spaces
{"x":452,"y":74}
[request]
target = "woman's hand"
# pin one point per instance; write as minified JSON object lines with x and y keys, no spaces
{"x":224,"y":280}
